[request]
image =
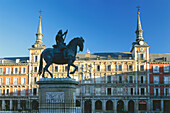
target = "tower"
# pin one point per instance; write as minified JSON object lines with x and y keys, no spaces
{"x":140,"y":53}
{"x":34,"y":58}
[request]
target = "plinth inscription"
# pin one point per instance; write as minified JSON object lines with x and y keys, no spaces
{"x":54,"y":97}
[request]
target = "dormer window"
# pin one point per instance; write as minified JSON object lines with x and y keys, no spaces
{"x":98,"y":58}
{"x":119,"y":57}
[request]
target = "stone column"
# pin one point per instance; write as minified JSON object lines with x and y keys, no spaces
{"x":93,"y":106}
{"x":151,"y":106}
{"x":11,"y":105}
{"x":162,"y":106}
{"x":148,"y":106}
{"x":137,"y":106}
{"x":19,"y":106}
{"x":3,"y":104}
{"x":126,"y":105}
{"x":82,"y":105}
{"x":115,"y":106}
{"x":104,"y":105}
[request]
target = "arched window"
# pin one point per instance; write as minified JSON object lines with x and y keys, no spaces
{"x":98,"y":105}
{"x":109,"y":105}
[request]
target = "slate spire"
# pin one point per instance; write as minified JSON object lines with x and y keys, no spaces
{"x":139,"y":31}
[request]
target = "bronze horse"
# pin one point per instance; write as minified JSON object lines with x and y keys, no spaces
{"x":53,"y":55}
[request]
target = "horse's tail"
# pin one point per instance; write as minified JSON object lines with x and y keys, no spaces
{"x":41,"y":65}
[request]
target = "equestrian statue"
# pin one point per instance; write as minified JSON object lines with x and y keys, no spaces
{"x":61,"y":54}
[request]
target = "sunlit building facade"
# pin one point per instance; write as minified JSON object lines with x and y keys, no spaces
{"x":108,"y":82}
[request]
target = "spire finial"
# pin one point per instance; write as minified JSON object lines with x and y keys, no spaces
{"x":138,"y":7}
{"x":40,"y":13}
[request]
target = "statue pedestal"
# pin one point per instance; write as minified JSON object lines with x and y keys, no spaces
{"x":57,"y":95}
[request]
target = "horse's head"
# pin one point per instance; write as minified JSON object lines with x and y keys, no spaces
{"x":81,"y":43}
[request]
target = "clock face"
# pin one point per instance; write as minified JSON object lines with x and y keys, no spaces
{"x":141,"y":42}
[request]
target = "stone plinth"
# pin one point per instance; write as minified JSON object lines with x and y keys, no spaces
{"x":57,"y":95}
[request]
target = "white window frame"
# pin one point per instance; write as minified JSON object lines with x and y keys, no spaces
{"x":1,"y":81}
{"x":8,"y":70}
{"x":167,"y":81}
{"x":8,"y":81}
{"x":22,"y":68}
{"x":143,"y":67}
{"x":129,"y":78}
{"x":14,"y":81}
{"x":97,"y":68}
{"x":154,"y":69}
{"x":155,"y":91}
{"x":15,"y":92}
{"x":168,"y":91}
{"x":1,"y":72}
{"x":6,"y":92}
{"x":0,"y":92}
{"x":23,"y":92}
{"x":98,"y":91}
{"x":166,"y":68}
{"x":34,"y":58}
{"x":34,"y":69}
{"x":154,"y":79}
{"x":14,"y":71}
{"x":22,"y":81}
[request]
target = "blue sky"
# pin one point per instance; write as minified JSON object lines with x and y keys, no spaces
{"x":106,"y":25}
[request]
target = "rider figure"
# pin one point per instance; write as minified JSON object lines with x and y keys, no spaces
{"x":60,"y":42}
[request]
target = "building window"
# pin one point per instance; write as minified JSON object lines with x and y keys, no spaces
{"x":7,"y":92}
{"x":156,"y":91}
{"x":0,"y":92}
{"x":119,"y":67}
{"x":1,"y":81}
{"x":120,"y":91}
{"x":35,"y":69}
{"x":34,"y":91}
{"x":23,"y":92}
{"x":8,"y":70}
{"x":166,"y":68}
{"x":1,"y":71}
{"x":130,"y":79}
{"x":167,"y":91}
{"x":87,"y":89}
{"x":66,"y":67}
{"x":120,"y":79}
{"x":109,"y":68}
{"x":166,"y":79}
{"x":23,"y":70}
{"x":98,"y":67}
{"x":7,"y":81}
{"x":142,"y":91}
{"x":35,"y":58}
{"x":142,"y":81}
{"x":129,"y":67}
{"x":55,"y":68}
{"x":15,"y":81}
{"x":156,"y":79}
{"x":15,"y":70}
{"x":98,"y":91}
{"x":15,"y":92}
{"x":108,"y":91}
{"x":23,"y":80}
{"x":131,"y":91}
{"x":141,"y":57}
{"x":155,"y":69}
{"x":108,"y":79}
{"x":142,"y":68}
